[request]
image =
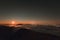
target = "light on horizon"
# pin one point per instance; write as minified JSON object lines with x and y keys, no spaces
{"x":13,"y":22}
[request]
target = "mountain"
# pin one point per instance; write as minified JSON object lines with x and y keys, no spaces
{"x":51,"y":29}
{"x":9,"y":33}
{"x":25,"y":34}
{"x":5,"y":32}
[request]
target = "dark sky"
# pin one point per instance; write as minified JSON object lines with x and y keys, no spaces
{"x":30,"y":10}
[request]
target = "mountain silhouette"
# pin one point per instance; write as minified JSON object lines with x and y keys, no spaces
{"x":7,"y":33}
{"x":25,"y":34}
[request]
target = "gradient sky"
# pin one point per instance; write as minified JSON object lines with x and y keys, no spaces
{"x":30,"y":10}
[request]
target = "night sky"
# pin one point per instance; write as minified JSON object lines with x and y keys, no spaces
{"x":30,"y":10}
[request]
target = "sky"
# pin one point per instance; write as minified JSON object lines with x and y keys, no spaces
{"x":39,"y":11}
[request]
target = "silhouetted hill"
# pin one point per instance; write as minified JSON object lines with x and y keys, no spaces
{"x":8,"y":33}
{"x":5,"y":32}
{"x":25,"y":34}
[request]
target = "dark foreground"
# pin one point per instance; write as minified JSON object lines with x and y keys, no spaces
{"x":6,"y":33}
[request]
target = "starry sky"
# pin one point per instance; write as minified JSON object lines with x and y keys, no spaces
{"x":30,"y":10}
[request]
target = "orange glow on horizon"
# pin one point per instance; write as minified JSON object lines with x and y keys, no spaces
{"x":13,"y":22}
{"x":30,"y":22}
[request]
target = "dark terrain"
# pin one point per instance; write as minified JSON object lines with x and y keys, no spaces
{"x":7,"y":33}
